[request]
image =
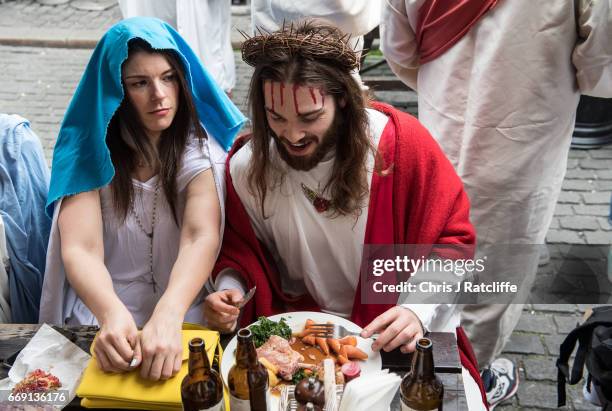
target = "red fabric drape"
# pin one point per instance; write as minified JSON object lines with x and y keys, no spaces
{"x":442,"y":23}
{"x":469,"y":362}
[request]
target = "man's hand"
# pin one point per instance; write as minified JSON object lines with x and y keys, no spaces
{"x":397,"y":326}
{"x":116,"y":343}
{"x":162,"y":346}
{"x":220,"y":309}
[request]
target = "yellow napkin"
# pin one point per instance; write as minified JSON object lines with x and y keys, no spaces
{"x":130,"y":391}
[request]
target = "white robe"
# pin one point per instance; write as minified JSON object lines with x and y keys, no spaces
{"x":501,"y":102}
{"x":204,"y":24}
{"x":355,"y":17}
{"x":126,"y":247}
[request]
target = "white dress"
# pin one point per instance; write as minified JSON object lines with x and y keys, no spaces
{"x":126,"y":247}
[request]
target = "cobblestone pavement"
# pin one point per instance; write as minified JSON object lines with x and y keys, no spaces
{"x":38,"y":82}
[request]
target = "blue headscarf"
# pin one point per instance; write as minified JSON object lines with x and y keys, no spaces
{"x":81,"y":159}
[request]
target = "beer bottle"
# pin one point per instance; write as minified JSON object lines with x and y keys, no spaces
{"x":248,"y":378}
{"x":421,"y":390}
{"x":202,"y":388}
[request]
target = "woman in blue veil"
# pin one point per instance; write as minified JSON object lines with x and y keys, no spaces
{"x":137,"y":197}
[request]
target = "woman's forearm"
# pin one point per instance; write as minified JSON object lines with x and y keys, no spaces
{"x":192,"y":268}
{"x":90,"y":279}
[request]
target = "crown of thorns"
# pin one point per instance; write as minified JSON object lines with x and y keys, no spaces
{"x":306,"y":40}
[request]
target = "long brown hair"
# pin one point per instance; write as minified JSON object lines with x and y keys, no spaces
{"x":166,"y":157}
{"x":348,"y":185}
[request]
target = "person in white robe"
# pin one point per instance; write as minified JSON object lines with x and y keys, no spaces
{"x":501,"y":102}
{"x":204,"y":24}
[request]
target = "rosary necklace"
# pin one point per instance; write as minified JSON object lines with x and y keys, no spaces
{"x":148,"y":234}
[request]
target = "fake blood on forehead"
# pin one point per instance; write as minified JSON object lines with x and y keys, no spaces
{"x":272,"y":93}
{"x":295,"y":102}
{"x":294,"y":91}
{"x":312,"y":94}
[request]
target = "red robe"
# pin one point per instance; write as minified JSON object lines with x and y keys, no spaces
{"x":421,"y":201}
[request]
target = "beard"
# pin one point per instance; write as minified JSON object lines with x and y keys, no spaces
{"x":305,"y":163}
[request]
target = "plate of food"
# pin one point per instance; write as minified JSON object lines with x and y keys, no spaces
{"x":291,"y":353}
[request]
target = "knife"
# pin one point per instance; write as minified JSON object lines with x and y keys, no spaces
{"x":247,"y":297}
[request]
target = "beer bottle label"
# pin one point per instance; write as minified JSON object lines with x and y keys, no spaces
{"x":236,"y":404}
{"x":407,"y":408}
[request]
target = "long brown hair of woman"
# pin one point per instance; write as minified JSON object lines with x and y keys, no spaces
{"x":348,"y":185}
{"x":166,"y":157}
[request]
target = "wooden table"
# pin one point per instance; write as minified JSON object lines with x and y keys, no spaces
{"x":13,"y":337}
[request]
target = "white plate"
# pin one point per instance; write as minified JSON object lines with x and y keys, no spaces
{"x":296,"y":321}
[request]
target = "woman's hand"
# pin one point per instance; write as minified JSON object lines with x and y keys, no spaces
{"x":398,"y":326}
{"x":117,"y":343}
{"x":162,"y":346}
{"x":220,"y":310}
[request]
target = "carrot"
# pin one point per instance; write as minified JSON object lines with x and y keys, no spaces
{"x":343,"y":352}
{"x":305,"y":332}
{"x":349,"y":340}
{"x":322,"y":342}
{"x":334,"y":344}
{"x":343,"y":360}
{"x":309,"y":339}
{"x":355,"y":353}
{"x":309,"y":323}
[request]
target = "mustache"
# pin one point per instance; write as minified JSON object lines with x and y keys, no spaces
{"x":306,"y":139}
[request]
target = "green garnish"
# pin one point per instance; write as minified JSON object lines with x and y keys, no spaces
{"x":300,"y":374}
{"x":266,"y":328}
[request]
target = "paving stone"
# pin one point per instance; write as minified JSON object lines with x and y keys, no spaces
{"x":524,"y":344}
{"x":537,"y":394}
{"x":577,"y":185}
{"x":593,"y":164}
{"x":592,"y":210}
{"x":552,"y":343}
{"x":569,"y":197}
{"x":579,"y":223}
{"x":605,"y":153}
{"x":604,"y":223}
{"x":540,"y":368}
{"x":596,"y":198}
{"x":565,"y":324}
{"x":563,"y":210}
{"x":603,"y":185}
{"x":599,"y":237}
{"x":555,"y":308}
{"x":554,"y":224}
{"x":576,"y":153}
{"x":573,"y":163}
{"x":564,"y":236}
{"x":536,"y":323}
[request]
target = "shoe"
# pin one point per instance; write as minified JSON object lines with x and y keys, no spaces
{"x":590,"y":394}
{"x":500,"y":380}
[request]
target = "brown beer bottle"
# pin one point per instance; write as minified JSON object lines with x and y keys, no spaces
{"x":202,"y":388}
{"x":421,"y":390}
{"x":248,"y":378}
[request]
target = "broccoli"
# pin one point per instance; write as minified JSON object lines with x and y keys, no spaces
{"x":265,"y":328}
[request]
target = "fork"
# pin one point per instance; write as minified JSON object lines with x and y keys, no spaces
{"x":335,"y":331}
